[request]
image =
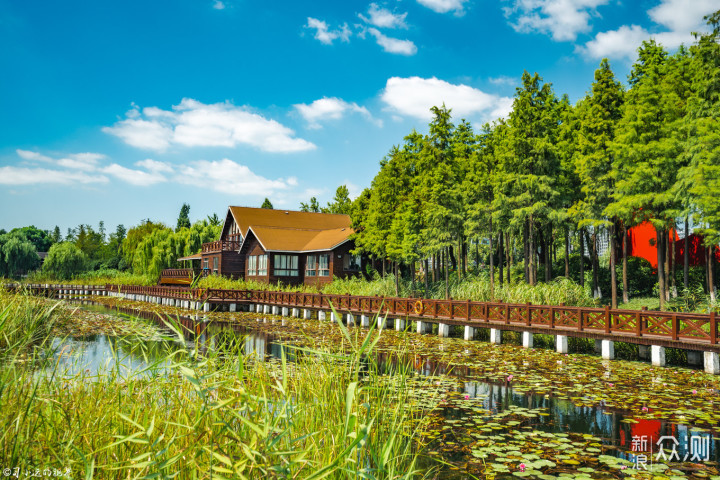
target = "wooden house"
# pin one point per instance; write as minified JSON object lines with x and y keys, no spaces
{"x":281,"y":245}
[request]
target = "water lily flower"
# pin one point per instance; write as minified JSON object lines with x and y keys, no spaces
{"x":694,"y":392}
{"x":611,"y":384}
{"x":510,"y":377}
{"x":645,"y":409}
{"x":467,"y":397}
{"x":521,"y":467}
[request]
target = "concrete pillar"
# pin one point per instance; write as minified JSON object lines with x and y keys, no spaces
{"x":561,"y":343}
{"x":275,"y":310}
{"x":296,"y":312}
{"x":657,"y":355}
{"x":233,"y":307}
{"x":469,"y":332}
{"x":285,"y":311}
{"x":443,"y":330}
{"x":695,"y":358}
{"x":608,"y":349}
{"x":399,"y":324}
{"x":266,"y":309}
{"x":527,"y":338}
{"x":495,"y":336}
{"x":365,"y":321}
{"x":712,"y":363}
{"x":333,"y":317}
{"x":322,"y":315}
{"x":644,"y":352}
{"x":172,"y":302}
{"x":350,"y":320}
{"x":307,"y":313}
{"x":206,"y":307}
{"x":422,"y":327}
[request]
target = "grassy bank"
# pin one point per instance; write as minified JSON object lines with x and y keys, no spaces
{"x":222,"y":416}
{"x":96,"y":277}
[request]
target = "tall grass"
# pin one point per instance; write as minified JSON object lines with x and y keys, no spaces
{"x":225,"y":415}
{"x":96,"y":277}
{"x":25,"y":323}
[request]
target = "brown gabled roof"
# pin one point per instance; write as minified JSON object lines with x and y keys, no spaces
{"x":195,"y":256}
{"x":276,"y":239}
{"x":247,"y":217}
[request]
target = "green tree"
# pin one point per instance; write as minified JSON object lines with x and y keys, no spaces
{"x":65,"y":260}
{"x":40,"y":238}
{"x":313,"y":206}
{"x":341,"y":203}
{"x":267,"y":204}
{"x":17,"y":254}
{"x":183,"y":220}
{"x":56,"y":236}
{"x":598,"y":115}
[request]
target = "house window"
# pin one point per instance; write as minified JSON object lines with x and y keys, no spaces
{"x":257,"y":265}
{"x":324,"y":270}
{"x":206,"y":263}
{"x":252,"y":265}
{"x":215,"y":265}
{"x":311,"y":266}
{"x":286,"y":266}
{"x":351,"y":263}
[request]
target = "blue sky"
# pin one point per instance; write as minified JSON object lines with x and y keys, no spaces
{"x":121,"y":111}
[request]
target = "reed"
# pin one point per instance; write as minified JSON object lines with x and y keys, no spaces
{"x":327,"y":414}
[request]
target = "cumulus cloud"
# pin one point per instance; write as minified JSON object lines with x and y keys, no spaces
{"x":383,"y":18}
{"x":227,"y":176}
{"x":324,"y":34}
{"x":218,"y":5}
{"x":414,"y":96}
{"x":676,"y":19}
{"x":133,"y":176}
{"x":393,"y":45}
{"x":445,"y":6}
{"x":195,"y":124}
{"x":331,"y":108}
{"x":29,"y":155}
{"x":11,"y":175}
{"x":562,"y":19}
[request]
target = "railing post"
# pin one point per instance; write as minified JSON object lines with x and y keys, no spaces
{"x":528,"y":318}
{"x":434,"y":308}
{"x":638,"y":324}
{"x":713,"y":328}
{"x":552,"y":317}
{"x":607,"y":319}
{"x":675,"y":327}
{"x":467,"y":306}
{"x":507,"y":313}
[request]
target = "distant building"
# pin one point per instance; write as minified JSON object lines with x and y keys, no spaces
{"x":281,"y":245}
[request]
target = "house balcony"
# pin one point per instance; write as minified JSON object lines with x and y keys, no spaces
{"x":221,"y":246}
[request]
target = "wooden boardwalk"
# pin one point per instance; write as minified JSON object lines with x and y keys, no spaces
{"x":692,"y":331}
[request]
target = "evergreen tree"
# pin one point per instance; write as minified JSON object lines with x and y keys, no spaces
{"x":267,"y":204}
{"x":341,"y":202}
{"x":183,"y":220}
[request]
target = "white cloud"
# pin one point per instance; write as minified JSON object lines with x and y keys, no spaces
{"x":414,"y":96}
{"x":330,"y":109}
{"x":227,"y":176}
{"x":28,"y":155}
{"x":218,"y":5}
{"x":154,"y":166}
{"x":10,"y":175}
{"x":81,"y":161}
{"x":503,"y":80}
{"x":383,"y":18}
{"x":393,"y":45}
{"x":325,"y":35}
{"x":195,"y":124}
{"x":445,"y":6}
{"x":678,"y":17}
{"x":563,"y":19}
{"x":620,"y":43}
{"x":134,"y":177}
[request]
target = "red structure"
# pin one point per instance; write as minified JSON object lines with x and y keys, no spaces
{"x":643,"y":243}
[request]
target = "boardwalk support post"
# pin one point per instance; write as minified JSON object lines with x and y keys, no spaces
{"x":365,"y":321}
{"x":321,"y":316}
{"x":275,"y":310}
{"x":527,"y":339}
{"x":608,"y":349}
{"x":495,"y":336}
{"x":296,"y":312}
{"x":285,"y":311}
{"x":399,"y":324}
{"x":657,"y":355}
{"x":712,"y":363}
{"x":307,"y":313}
{"x":350,"y":320}
{"x":443,"y":330}
{"x":233,"y":307}
{"x":422,"y":327}
{"x":469,"y":332}
{"x":561,"y":344}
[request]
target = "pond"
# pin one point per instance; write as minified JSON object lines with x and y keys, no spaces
{"x":502,"y":411}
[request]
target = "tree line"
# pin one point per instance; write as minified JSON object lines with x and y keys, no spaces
{"x":553,"y":177}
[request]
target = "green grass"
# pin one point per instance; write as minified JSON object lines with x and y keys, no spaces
{"x":223,"y":415}
{"x":97,"y":277}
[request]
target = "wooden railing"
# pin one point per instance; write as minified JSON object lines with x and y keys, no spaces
{"x":177,"y":273}
{"x":220,"y":246}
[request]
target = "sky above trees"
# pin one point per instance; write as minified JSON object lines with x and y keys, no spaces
{"x":119,"y":111}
